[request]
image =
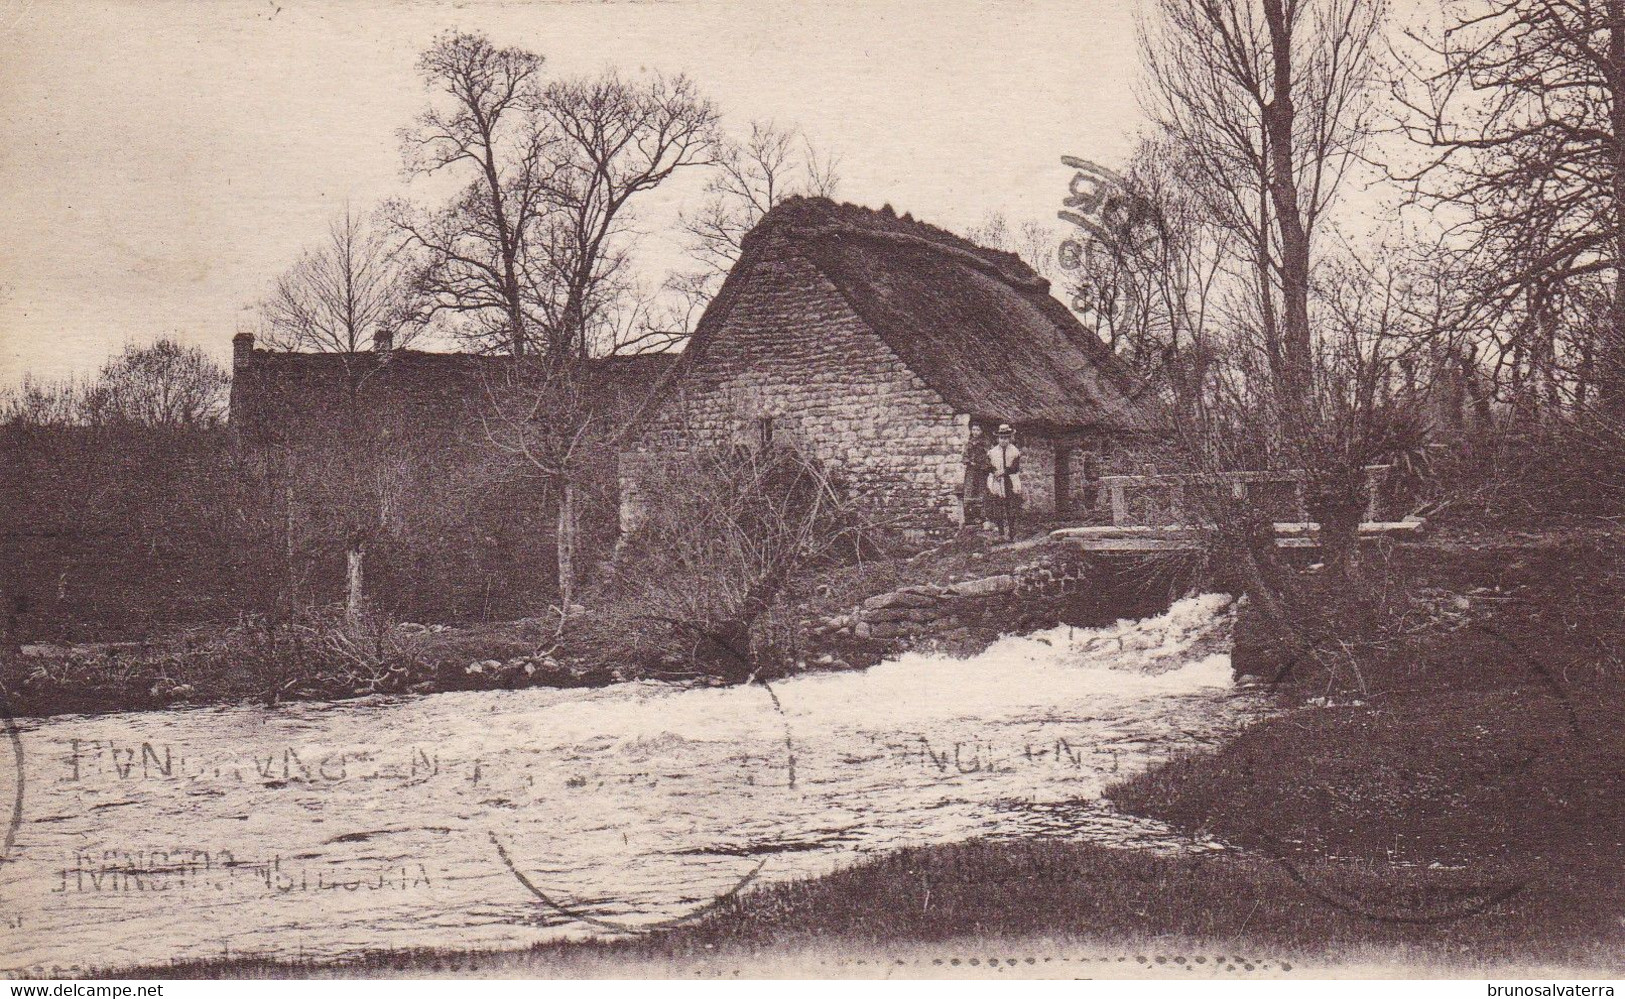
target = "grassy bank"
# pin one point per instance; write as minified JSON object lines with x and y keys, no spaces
{"x":1491,"y":735}
{"x":1028,"y":905}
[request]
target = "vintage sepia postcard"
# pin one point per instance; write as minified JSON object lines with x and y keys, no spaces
{"x":702,"y":489}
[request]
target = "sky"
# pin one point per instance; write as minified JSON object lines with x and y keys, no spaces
{"x":162,"y":162}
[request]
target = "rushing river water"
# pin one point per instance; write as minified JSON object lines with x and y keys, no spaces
{"x":496,"y":819}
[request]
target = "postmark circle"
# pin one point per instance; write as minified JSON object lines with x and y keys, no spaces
{"x":1369,"y":899}
{"x":552,"y":900}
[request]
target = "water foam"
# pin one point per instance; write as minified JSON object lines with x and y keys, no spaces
{"x":1184,"y":650}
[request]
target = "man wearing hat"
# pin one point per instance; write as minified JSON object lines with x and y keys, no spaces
{"x":1004,"y":478}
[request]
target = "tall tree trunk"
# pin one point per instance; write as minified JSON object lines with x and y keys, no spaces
{"x":566,"y":544}
{"x":507,"y":243}
{"x":1279,"y":115}
{"x":1583,"y":376}
{"x":16,"y":608}
{"x":1449,"y":393}
{"x":1551,"y":400}
{"x":1483,"y":397}
{"x":290,"y":578}
{"x":1518,"y":385}
{"x":1263,"y":262}
{"x":353,"y":593}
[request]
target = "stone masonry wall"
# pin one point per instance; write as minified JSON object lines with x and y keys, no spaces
{"x":922,"y":609}
{"x":1059,"y":585}
{"x":794,"y":357}
{"x":1038,"y":475}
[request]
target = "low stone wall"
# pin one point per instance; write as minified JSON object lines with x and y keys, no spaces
{"x":1060,"y":587}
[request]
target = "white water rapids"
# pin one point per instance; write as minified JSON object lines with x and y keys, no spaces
{"x":327,"y":829}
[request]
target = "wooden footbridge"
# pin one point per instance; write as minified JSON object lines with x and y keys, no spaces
{"x":1153,"y":512}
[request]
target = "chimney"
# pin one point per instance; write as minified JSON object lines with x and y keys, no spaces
{"x":242,"y":348}
{"x":242,"y":352}
{"x":383,"y":341}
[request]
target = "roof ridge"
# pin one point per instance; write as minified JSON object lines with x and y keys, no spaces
{"x":399,"y":353}
{"x":1037,"y":282}
{"x":820,"y":216}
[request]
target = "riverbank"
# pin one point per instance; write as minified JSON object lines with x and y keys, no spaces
{"x":956,"y":599}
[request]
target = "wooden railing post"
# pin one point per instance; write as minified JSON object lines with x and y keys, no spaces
{"x":1375,"y":476}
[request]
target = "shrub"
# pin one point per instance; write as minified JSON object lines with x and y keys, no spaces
{"x":697,"y":587}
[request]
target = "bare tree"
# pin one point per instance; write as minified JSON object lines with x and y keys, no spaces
{"x":35,"y":402}
{"x":561,"y":421}
{"x":618,"y":140}
{"x":1373,"y":322}
{"x":534,"y":250}
{"x":364,"y":476}
{"x":162,"y":385}
{"x":753,"y":175}
{"x":1270,"y":99}
{"x":722,"y":533}
{"x":1032,"y":241}
{"x":1264,"y":107}
{"x":1147,"y":275}
{"x":482,"y":120}
{"x":1520,"y":106}
{"x":346,"y":296}
{"x":681,"y":303}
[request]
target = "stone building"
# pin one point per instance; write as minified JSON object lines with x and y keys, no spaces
{"x":391,"y":444}
{"x":891,"y":349}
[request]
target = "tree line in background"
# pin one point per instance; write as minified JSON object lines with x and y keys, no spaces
{"x":1348,"y":240}
{"x":111,"y":487}
{"x":1365,"y":243}
{"x":1343,"y":241}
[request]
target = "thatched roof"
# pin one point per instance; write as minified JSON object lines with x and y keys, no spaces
{"x":977,"y":325}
